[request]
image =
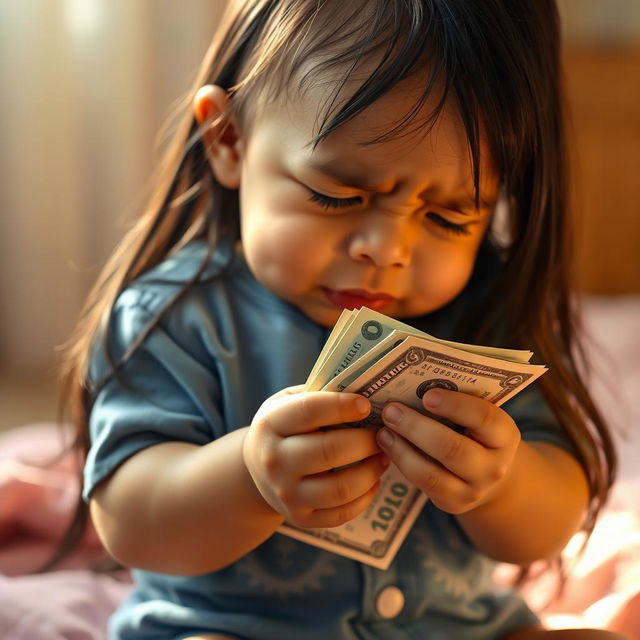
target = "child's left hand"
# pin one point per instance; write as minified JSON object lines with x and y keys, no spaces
{"x":457,"y":471}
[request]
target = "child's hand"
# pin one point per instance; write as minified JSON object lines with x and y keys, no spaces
{"x":458,"y":471}
{"x":291,"y":460}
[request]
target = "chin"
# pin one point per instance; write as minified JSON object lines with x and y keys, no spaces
{"x":325,"y":317}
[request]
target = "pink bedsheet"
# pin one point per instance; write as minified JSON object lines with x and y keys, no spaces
{"x":74,"y":603}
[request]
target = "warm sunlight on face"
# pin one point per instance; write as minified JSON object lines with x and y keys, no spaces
{"x":392,"y":226}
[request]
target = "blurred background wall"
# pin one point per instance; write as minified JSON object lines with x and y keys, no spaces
{"x":86,"y":85}
{"x":602,"y":67}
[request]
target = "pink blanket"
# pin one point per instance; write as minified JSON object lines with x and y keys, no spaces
{"x":36,"y":503}
{"x":74,"y":603}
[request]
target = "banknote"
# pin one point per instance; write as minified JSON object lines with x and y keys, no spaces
{"x":359,"y":332}
{"x":375,"y":536}
{"x":411,"y":368}
{"x":338,"y":329}
{"x":403,"y":368}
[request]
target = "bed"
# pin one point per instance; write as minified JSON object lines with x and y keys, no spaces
{"x":74,"y":602}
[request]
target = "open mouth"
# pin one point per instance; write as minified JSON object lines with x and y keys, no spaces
{"x":356,"y":298}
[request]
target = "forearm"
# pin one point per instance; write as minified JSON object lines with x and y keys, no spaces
{"x":539,"y":507}
{"x":183,"y":509}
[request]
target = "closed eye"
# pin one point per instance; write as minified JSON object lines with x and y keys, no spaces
{"x":328,"y":202}
{"x":447,"y":225}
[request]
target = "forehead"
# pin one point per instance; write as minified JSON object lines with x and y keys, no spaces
{"x":421,"y":145}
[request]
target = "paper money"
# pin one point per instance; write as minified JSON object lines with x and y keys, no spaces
{"x":411,"y":368}
{"x":375,"y":536}
{"x":358,"y":332}
{"x":401,"y":366}
{"x":337,"y":331}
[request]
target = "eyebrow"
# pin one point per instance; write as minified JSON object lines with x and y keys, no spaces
{"x":350,"y":178}
{"x":469,"y":204}
{"x":347,"y":177}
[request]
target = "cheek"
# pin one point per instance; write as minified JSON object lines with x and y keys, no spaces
{"x":442,"y":276}
{"x":288,"y":252}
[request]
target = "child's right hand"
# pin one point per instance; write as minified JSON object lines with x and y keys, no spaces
{"x":292,"y":461}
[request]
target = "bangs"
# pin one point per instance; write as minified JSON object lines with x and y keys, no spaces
{"x":356,"y":53}
{"x":465,"y":57}
{"x":374,"y":51}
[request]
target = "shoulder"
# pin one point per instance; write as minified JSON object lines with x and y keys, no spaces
{"x":162,"y":300}
{"x":189,"y":267}
{"x":206,"y":303}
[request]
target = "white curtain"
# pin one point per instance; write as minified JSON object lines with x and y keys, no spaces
{"x":85,"y":87}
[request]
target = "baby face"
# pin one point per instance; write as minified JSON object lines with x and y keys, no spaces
{"x":392,"y":226}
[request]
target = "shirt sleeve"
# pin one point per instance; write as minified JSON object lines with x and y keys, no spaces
{"x":163,"y":392}
{"x":536,"y":421}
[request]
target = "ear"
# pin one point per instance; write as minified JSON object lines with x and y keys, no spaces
{"x":221,"y":137}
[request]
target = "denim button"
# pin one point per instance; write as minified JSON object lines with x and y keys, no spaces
{"x":389,"y":602}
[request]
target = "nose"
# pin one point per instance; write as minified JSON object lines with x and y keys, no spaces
{"x":383,"y":241}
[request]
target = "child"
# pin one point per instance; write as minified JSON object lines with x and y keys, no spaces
{"x":338,"y":155}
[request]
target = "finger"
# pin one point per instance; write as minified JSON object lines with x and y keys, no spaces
{"x":446,"y":490}
{"x":488,"y":424}
{"x":312,"y":453}
{"x":327,"y":518}
{"x":334,"y":489}
{"x":461,"y":455}
{"x":306,"y":412}
{"x":289,"y":391}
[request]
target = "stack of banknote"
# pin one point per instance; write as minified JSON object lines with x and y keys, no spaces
{"x":383,"y":359}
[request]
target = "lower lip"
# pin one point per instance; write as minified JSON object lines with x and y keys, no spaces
{"x":349,"y":301}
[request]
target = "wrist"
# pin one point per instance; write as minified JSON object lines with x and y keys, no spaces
{"x":252,"y":484}
{"x":501,"y":493}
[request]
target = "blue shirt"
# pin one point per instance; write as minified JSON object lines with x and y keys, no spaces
{"x":216,"y":355}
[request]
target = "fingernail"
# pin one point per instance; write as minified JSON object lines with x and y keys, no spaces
{"x":362,"y":405}
{"x":392,"y":414}
{"x":433,"y":398}
{"x":385,"y":438}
